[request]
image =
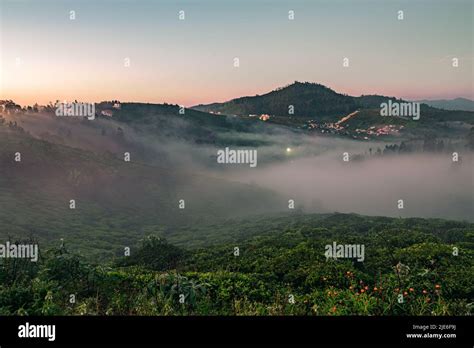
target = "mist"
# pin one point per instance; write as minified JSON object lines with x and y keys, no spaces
{"x":308,"y":169}
{"x":429,"y":185}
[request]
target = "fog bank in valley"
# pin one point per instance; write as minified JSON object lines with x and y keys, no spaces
{"x":306,"y":168}
{"x":430,"y":185}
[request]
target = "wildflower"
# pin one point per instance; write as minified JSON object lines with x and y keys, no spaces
{"x":362,"y":290}
{"x":375,"y":289}
{"x":411,"y":289}
{"x":425,"y":292}
{"x":405,"y":293}
{"x":437,"y":286}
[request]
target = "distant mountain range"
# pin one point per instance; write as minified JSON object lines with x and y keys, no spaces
{"x":463,"y":104}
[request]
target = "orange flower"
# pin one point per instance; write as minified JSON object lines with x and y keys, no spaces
{"x":333,"y":309}
{"x":362,"y":290}
{"x":411,"y":289}
{"x":375,"y":289}
{"x":437,"y":286}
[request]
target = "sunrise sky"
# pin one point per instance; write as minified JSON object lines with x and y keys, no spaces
{"x":46,"y":56}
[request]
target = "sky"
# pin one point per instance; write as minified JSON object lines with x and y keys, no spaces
{"x":44,"y":55}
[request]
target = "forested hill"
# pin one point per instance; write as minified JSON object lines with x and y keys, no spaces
{"x":308,"y":99}
{"x":318,"y":102}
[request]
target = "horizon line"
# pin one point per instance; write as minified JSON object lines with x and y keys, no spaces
{"x":255,"y":95}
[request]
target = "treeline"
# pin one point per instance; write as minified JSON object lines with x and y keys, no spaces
{"x":430,"y":144}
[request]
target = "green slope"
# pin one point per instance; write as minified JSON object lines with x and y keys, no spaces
{"x":116,"y":201}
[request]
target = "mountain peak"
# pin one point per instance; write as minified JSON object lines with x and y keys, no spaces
{"x":305,"y":85}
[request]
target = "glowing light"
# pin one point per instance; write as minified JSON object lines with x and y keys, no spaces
{"x":288,"y":149}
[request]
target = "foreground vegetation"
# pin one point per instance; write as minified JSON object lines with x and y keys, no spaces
{"x":280,"y":271}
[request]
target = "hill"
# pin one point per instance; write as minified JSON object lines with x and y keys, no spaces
{"x":117,"y":202}
{"x":184,"y":124}
{"x":309,"y":100}
{"x":321,"y":104}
